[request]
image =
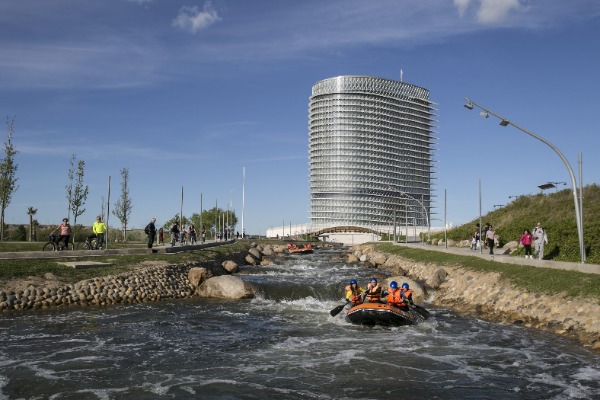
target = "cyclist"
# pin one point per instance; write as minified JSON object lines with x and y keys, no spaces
{"x":98,"y":229}
{"x":64,"y":232}
{"x":174,"y":234}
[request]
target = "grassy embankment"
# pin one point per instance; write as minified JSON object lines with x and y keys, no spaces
{"x":556,"y":212}
{"x":23,"y":268}
{"x":532,"y":279}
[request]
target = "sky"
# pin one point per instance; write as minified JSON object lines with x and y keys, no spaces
{"x":189,"y":94}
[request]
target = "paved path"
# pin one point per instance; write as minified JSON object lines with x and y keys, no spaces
{"x":505,"y":258}
{"x":168,"y":249}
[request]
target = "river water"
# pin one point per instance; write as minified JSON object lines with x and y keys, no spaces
{"x":282,"y":344}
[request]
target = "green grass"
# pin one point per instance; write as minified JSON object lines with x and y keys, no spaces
{"x":556,"y":212}
{"x":532,"y":279}
{"x":23,"y":268}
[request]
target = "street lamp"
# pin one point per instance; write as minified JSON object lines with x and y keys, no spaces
{"x":409,"y":197}
{"x":498,"y":205}
{"x":505,"y":122}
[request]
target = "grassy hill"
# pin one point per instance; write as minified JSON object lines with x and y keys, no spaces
{"x":556,"y":212}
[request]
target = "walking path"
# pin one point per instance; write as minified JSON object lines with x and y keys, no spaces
{"x":164,"y":249}
{"x":505,"y":258}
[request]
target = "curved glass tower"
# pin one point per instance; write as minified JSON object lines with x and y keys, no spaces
{"x":371,"y":153}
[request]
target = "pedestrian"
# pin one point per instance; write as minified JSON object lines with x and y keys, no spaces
{"x":484,"y":233}
{"x":540,"y":238}
{"x":150,"y":230}
{"x":99,"y":228}
{"x":526,"y":240}
{"x":161,"y":236}
{"x":490,"y":236}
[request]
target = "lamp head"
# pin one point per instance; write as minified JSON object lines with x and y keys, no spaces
{"x":484,"y":114}
{"x":504,"y":122}
{"x":469,"y":106}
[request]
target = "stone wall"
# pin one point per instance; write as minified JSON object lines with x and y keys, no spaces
{"x":486,"y":295}
{"x":145,"y":284}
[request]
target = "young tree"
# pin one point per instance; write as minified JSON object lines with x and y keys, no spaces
{"x":79,"y":193}
{"x":31,"y":212}
{"x":69,"y":187}
{"x":123,"y":206}
{"x":8,"y":171}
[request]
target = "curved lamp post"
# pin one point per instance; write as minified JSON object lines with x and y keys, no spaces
{"x":505,"y":122}
{"x":409,"y":197}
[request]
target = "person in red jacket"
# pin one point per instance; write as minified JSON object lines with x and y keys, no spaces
{"x":526,"y":241}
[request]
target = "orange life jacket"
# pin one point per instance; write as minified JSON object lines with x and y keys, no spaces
{"x":374,"y":294}
{"x":354,"y":296}
{"x":395,"y":298}
{"x":407,"y":294}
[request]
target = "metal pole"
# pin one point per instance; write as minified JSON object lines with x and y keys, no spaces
{"x":480,"y":238}
{"x":564,"y":160}
{"x":107,"y":213}
{"x":181,"y":210}
{"x":201,"y":227}
{"x":445,"y":221}
{"x":243,"y":198}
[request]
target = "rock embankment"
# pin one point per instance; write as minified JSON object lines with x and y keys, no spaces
{"x":146,"y":284}
{"x":486,"y":295}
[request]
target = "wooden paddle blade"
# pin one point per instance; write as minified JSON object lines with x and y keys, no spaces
{"x":337,"y":310}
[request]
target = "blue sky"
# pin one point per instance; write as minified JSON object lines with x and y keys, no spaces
{"x":187,"y":93}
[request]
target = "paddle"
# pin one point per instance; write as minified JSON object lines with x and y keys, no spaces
{"x":338,"y":309}
{"x":420,"y":310}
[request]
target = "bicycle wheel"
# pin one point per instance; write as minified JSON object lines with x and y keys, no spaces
{"x":85,"y":245}
{"x":48,"y":246}
{"x":70,"y":246}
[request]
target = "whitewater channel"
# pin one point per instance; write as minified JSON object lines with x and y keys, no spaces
{"x":283,"y":344}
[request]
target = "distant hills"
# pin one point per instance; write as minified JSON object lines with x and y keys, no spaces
{"x":556,"y":213}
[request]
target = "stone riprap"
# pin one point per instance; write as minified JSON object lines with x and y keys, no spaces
{"x":486,"y":295}
{"x":147,"y":284}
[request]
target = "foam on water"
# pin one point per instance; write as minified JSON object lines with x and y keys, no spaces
{"x":282,"y":344}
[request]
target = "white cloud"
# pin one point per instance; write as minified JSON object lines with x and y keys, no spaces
{"x":191,"y":19}
{"x":490,"y":12}
{"x":462,"y":6}
{"x":495,"y":11}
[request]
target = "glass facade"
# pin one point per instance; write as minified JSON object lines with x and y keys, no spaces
{"x":370,"y":153}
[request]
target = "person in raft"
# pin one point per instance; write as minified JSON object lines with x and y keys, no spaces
{"x":373,"y":293}
{"x":394,"y":296}
{"x":354,"y":293}
{"x":406,"y":293}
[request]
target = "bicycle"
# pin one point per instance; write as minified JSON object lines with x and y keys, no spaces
{"x":174,"y":238}
{"x":90,"y":243}
{"x":53,"y":246}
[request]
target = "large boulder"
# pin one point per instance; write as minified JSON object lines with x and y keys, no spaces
{"x":198,"y":275}
{"x":226,"y":287}
{"x":378,"y":258}
{"x":255,"y":253}
{"x":231,"y":266}
{"x":250,"y":260}
{"x":436,"y":278}
{"x":267,"y":250}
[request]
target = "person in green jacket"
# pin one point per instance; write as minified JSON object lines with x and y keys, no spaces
{"x":99,"y":229}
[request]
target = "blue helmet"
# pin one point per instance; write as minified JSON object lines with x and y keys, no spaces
{"x":373,"y":280}
{"x":405,"y":286}
{"x":353,"y":282}
{"x":394,"y":285}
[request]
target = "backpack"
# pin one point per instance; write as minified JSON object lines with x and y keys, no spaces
{"x":147,"y":229}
